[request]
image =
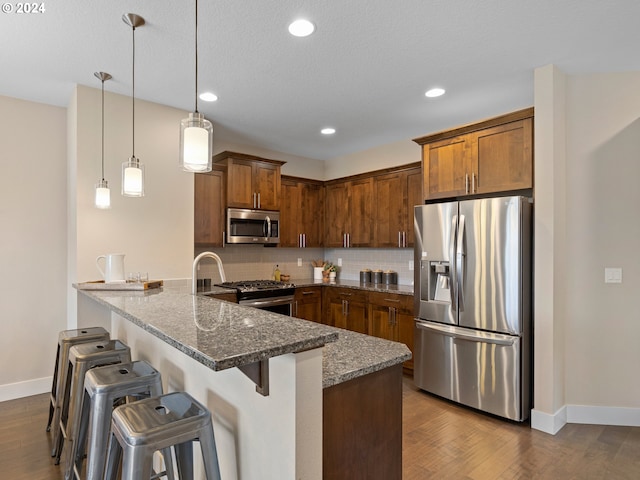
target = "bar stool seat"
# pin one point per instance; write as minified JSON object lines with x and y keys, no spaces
{"x":82,"y":358}
{"x":104,"y":388}
{"x":175,"y":420}
{"x":67,"y":339}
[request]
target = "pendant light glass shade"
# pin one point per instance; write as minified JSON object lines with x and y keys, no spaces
{"x":133,"y":169}
{"x":103,"y":194}
{"x":196,"y":132}
{"x":196,"y":143}
{"x":133,"y":178}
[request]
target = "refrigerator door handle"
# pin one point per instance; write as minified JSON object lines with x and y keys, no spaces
{"x":460,"y":260}
{"x":453,"y":285}
{"x":454,"y":332}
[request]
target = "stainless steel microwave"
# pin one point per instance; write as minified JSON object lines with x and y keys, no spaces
{"x":253,"y":226}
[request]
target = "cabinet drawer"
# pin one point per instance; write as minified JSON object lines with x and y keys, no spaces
{"x":308,"y":294}
{"x":403,"y":303}
{"x":349,"y":294}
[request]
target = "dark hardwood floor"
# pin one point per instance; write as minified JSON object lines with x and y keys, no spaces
{"x":441,"y":441}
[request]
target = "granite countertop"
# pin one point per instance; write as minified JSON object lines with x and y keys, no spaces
{"x":371,"y":287}
{"x":223,"y":335}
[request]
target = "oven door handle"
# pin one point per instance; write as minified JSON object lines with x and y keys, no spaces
{"x":267,"y":302}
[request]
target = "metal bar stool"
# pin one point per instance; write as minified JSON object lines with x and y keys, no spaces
{"x":175,"y":420}
{"x":82,"y":358}
{"x":104,"y":388}
{"x":67,"y":339}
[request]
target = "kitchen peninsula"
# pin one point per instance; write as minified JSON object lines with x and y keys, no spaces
{"x":289,"y":397}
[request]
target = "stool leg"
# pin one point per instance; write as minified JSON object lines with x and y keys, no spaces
{"x":61,"y":411}
{"x":184,"y":458}
{"x":100,"y":423}
{"x":114,"y":454}
{"x":54,"y":389}
{"x":74,"y":420}
{"x":76,"y":457}
{"x":168,"y":463}
{"x":210,"y":454}
{"x":137,"y":463}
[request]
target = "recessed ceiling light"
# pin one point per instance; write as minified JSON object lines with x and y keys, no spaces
{"x":434,"y":92}
{"x":208,"y":97}
{"x":301,"y":28}
{"x":328,"y":131}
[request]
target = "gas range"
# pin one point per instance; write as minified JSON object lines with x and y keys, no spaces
{"x":259,"y":289}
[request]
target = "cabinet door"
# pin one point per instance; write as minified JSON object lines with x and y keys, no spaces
{"x":209,"y":211}
{"x":390,"y":221}
{"x":381,"y":324}
{"x":240,"y":184}
{"x":266,"y":184}
{"x":312,"y":214}
{"x":414,"y":197}
{"x":336,"y":214}
{"x":308,"y":303}
{"x":361,"y":213}
{"x":290,"y":214}
{"x":404,"y":322}
{"x":445,"y":168}
{"x":356,"y":316}
{"x":503,"y":157}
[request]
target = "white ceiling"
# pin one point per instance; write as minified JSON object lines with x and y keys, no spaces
{"x":364,"y":71}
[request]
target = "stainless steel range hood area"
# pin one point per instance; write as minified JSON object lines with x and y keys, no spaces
{"x":253,"y":226}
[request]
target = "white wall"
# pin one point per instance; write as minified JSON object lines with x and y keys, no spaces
{"x":32,"y":243}
{"x":155,"y":231}
{"x":384,"y":156}
{"x":603,"y":230}
{"x":587,"y":170}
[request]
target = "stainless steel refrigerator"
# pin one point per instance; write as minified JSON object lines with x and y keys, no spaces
{"x":473,"y":303}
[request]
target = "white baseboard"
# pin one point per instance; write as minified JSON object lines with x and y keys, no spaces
{"x":549,"y":423}
{"x":37,"y":386}
{"x":584,"y":414}
{"x":628,"y":417}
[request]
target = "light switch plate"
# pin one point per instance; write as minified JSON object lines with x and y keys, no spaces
{"x":612,"y":275}
{"x":299,"y":262}
{"x":410,"y":265}
{"x":339,"y":262}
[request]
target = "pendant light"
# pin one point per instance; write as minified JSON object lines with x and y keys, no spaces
{"x":133,"y":169}
{"x":196,"y":132}
{"x":103,"y":194}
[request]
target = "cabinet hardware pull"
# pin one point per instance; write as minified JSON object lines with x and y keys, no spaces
{"x":399,"y":239}
{"x":473,"y":182}
{"x":307,"y":293}
{"x":259,"y":200}
{"x":466,"y":183}
{"x":295,"y":308}
{"x":254,"y":199}
{"x":304,"y":240}
{"x":395,"y":300}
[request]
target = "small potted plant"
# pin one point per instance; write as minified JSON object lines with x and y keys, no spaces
{"x":329,"y":272}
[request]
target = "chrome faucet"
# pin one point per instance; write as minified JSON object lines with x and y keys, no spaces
{"x":196,"y":262}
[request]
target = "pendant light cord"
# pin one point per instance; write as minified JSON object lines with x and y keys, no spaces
{"x":196,"y":110}
{"x":133,"y":93}
{"x":103,"y":130}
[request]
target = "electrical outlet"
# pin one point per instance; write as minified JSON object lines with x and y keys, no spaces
{"x":299,"y":262}
{"x":339,"y":262}
{"x":612,"y":275}
{"x":410,"y":265}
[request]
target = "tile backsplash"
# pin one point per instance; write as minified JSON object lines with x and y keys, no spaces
{"x":253,"y":262}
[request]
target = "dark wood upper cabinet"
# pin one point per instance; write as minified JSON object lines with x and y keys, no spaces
{"x":395,"y":195}
{"x":301,"y":213}
{"x":349,"y":213}
{"x":491,"y":156}
{"x":252,"y":182}
{"x":209,"y":208}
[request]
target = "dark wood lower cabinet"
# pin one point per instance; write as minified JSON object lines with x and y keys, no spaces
{"x":362,"y":427}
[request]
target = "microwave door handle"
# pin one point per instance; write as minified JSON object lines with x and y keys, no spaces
{"x":267,"y":222}
{"x":460,"y":262}
{"x":453,"y":285}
